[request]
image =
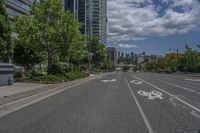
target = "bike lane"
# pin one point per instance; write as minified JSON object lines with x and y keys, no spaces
{"x":164,"y":113}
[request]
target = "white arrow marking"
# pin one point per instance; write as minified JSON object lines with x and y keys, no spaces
{"x":105,"y":81}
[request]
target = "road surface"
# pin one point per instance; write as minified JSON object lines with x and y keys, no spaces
{"x":115,"y":103}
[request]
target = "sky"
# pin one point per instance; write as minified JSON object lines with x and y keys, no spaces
{"x":153,"y":26}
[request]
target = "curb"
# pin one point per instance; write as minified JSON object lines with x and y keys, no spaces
{"x":13,"y":106}
{"x":190,"y":75}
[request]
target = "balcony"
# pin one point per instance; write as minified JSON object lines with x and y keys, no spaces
{"x":18,"y":6}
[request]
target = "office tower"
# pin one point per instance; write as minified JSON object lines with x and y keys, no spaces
{"x":92,"y":14}
{"x":118,"y":55}
{"x":77,"y":7}
{"x":122,"y":55}
{"x":15,"y":7}
{"x":112,"y":54}
{"x":99,"y":21}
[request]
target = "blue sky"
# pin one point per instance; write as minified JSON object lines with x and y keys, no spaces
{"x":153,"y":26}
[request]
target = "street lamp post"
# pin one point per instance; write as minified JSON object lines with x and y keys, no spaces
{"x":90,"y":35}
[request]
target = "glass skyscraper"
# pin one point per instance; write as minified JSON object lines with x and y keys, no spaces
{"x":92,"y":14}
{"x":15,"y":7}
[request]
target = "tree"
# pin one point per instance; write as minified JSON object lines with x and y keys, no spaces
{"x":99,"y":52}
{"x":26,"y":56}
{"x":5,"y":34}
{"x":50,"y":30}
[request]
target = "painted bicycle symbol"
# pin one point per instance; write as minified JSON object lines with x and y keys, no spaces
{"x":151,"y":95}
{"x":136,"y":82}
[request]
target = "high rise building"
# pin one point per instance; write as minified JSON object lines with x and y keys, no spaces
{"x":122,"y":55}
{"x":78,"y":7}
{"x":118,"y":55}
{"x":112,"y":54}
{"x":99,"y":21}
{"x":92,"y":14}
{"x":15,"y":7}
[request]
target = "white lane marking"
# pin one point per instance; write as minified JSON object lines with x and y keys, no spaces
{"x":194,"y":113}
{"x":178,"y":86}
{"x":188,"y":104}
{"x":140,"y":109}
{"x":136,"y":82}
{"x":151,"y":95}
{"x":184,"y":88}
{"x":105,"y":81}
{"x":196,"y":80}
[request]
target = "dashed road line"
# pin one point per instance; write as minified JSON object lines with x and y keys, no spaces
{"x":196,"y":80}
{"x":178,"y":86}
{"x":184,"y":88}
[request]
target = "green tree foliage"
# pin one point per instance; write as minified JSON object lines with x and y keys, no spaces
{"x":52,"y":31}
{"x":5,"y":34}
{"x":125,"y":68}
{"x":189,"y":61}
{"x":26,"y":56}
{"x":99,"y":53}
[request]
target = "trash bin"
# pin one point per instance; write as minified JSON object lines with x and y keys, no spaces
{"x":6,"y":74}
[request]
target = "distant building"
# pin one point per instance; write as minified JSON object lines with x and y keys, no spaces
{"x":112,"y":54}
{"x":132,"y":55}
{"x":140,"y":58}
{"x":118,"y":55}
{"x":122,"y":55}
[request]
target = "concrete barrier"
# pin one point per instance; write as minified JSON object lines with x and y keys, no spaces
{"x":6,"y":74}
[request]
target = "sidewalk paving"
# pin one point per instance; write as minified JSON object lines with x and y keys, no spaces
{"x":19,"y":87}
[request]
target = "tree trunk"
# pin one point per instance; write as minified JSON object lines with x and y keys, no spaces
{"x":50,"y":62}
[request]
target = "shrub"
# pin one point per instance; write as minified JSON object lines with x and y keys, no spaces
{"x":49,"y":79}
{"x":58,"y":78}
{"x":75,"y":75}
{"x":60,"y":68}
{"x":18,"y":74}
{"x":125,"y":68}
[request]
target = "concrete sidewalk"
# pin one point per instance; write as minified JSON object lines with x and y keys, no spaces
{"x":19,"y":87}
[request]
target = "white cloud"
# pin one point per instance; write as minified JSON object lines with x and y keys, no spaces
{"x":126,"y":46}
{"x":128,"y":19}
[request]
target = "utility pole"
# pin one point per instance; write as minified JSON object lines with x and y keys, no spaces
{"x":77,"y":8}
{"x":74,"y":7}
{"x":90,"y":13}
{"x":85,"y":24}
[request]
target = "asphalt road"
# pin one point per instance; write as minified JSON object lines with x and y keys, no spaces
{"x":116,"y":103}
